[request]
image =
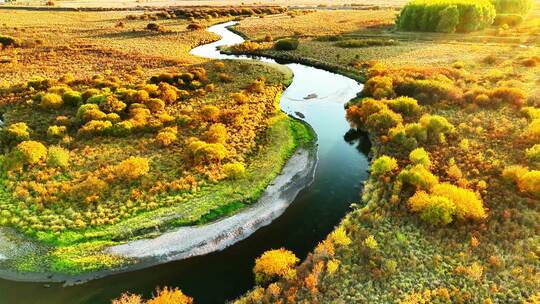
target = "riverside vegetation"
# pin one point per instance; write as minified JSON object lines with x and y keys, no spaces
{"x":89,"y":161}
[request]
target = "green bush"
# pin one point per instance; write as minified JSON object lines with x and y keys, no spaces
{"x":446,"y":16}
{"x":383,"y":165}
{"x":404,"y":105}
{"x":51,"y":101}
{"x":58,"y":157}
{"x":17,"y":132}
{"x":8,"y":41}
{"x":287,"y":44}
{"x":72,"y":98}
{"x":520,"y":7}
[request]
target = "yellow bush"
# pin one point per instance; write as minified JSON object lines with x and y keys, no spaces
{"x":434,"y":209}
{"x":167,"y":93}
{"x":210,"y":153}
{"x":217,"y":133}
{"x":379,"y":87}
{"x":514,"y":173}
{"x":18,"y":131}
{"x":275,"y":264}
{"x":419,"y":156}
{"x":170,"y":296}
{"x":165,"y":138}
{"x":210,"y":113}
{"x":155,"y":105}
{"x":95,"y":127}
{"x":56,"y":131}
{"x":51,"y":101}
{"x":234,"y":170}
{"x":468,"y":205}
{"x":57,"y":157}
{"x":31,"y":152}
{"x":132,"y":168}
{"x":339,"y":237}
{"x":530,"y":182}
{"x":406,"y":106}
{"x":419,"y":177}
{"x":533,"y":129}
{"x":128,"y":299}
{"x":533,"y":153}
{"x":383,"y":165}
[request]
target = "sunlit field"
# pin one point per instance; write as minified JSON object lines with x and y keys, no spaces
{"x":113,"y":132}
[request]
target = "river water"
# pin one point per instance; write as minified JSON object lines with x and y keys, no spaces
{"x":224,"y":275}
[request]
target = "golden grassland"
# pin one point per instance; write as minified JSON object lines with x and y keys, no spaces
{"x":475,"y":97}
{"x":88,"y":43}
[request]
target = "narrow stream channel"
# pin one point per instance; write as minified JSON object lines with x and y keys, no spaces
{"x":224,"y":275}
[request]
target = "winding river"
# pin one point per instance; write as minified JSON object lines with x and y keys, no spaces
{"x":226,"y":274}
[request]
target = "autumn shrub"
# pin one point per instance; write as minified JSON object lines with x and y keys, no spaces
{"x":514,"y":173}
{"x":96,"y":99}
{"x":468,"y":205}
{"x":339,"y":237}
{"x":167,"y":93}
{"x":111,"y":104}
{"x":357,"y":114}
{"x":51,"y":101}
{"x":224,"y":77}
{"x":530,"y":182}
{"x":239,"y":97}
{"x":89,"y":93}
{"x":533,"y":153}
{"x":379,"y":87}
{"x":533,"y":129}
{"x":30,"y":152}
{"x":155,"y":105}
{"x":419,"y":177}
{"x":17,"y":132}
{"x":434,"y":209}
{"x":72,"y":98}
{"x":530,"y":113}
{"x":57,"y":157}
{"x":406,"y":106}
{"x":195,"y":26}
{"x":88,"y":112}
{"x":122,"y":128}
{"x":287,"y":44}
{"x":210,"y":153}
{"x":128,"y":299}
{"x":275,"y":264}
{"x":509,"y":95}
{"x":88,"y":190}
{"x":256,"y":86}
{"x":427,"y":91}
{"x":446,"y":16}
{"x":155,"y":27}
{"x":166,"y":136}
{"x":95,"y":127}
{"x":419,"y":156}
{"x":210,"y":113}
{"x":235,"y":170}
{"x":383,"y":120}
{"x":132,"y":168}
{"x":436,"y":125}
{"x":383,"y":165}
{"x":56,"y":131}
{"x":217,"y":133}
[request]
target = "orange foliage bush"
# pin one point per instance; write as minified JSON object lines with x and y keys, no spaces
{"x":132,"y":168}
